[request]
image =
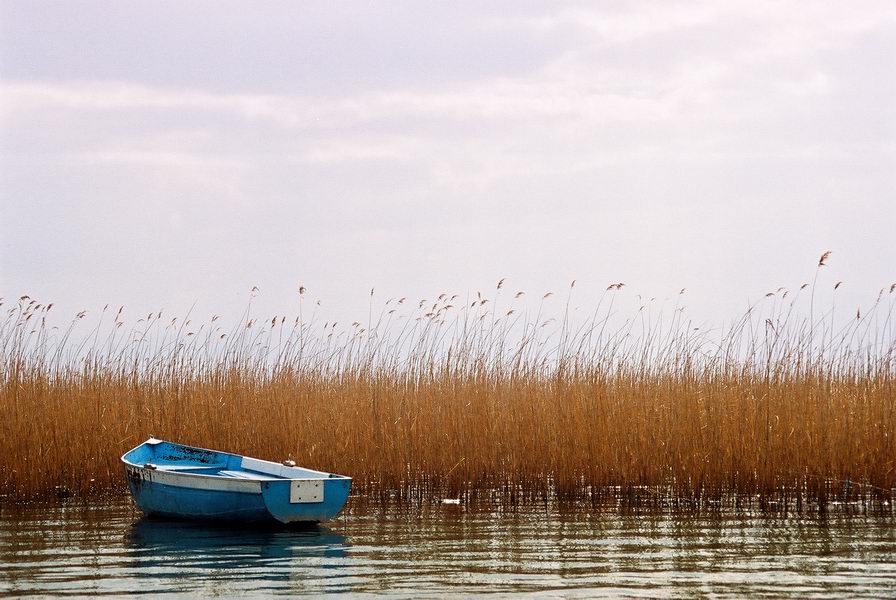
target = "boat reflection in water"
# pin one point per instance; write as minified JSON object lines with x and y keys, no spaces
{"x":203,"y":558}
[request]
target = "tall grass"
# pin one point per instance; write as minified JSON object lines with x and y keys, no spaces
{"x":456,"y":397}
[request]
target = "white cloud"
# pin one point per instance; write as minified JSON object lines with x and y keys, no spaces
{"x":16,"y":97}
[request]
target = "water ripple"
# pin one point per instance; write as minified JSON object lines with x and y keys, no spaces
{"x":110,"y":550}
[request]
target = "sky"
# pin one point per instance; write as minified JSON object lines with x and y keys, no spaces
{"x":170,"y":154}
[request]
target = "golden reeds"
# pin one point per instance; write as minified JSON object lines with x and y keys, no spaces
{"x":481,"y":399}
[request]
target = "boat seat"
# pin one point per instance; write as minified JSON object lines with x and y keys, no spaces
{"x":187,"y":467}
{"x":246,"y":475}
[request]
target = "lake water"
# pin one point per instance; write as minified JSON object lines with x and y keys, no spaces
{"x":447,"y":551}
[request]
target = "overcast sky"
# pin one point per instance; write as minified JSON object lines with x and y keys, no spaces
{"x":159,"y":154}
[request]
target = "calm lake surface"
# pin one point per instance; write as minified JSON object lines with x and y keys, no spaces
{"x":447,"y":551}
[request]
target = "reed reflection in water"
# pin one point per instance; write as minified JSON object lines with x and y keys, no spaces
{"x":453,"y":550}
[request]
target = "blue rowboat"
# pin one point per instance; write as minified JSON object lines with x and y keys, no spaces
{"x":173,"y":480}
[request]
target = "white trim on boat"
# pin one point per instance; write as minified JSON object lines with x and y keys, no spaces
{"x":278,"y":470}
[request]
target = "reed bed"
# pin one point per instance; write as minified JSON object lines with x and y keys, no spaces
{"x":454,"y":398}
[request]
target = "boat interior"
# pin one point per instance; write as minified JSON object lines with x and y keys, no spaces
{"x":165,"y":456}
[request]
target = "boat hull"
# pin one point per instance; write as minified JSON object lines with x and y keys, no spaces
{"x":258,"y":498}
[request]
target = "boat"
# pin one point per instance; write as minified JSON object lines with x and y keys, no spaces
{"x":177,"y":481}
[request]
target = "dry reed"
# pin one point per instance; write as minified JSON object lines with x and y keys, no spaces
{"x":463,"y":398}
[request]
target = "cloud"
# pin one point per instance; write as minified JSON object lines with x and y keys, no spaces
{"x":620,"y":26}
{"x":16,"y":97}
{"x":502,"y":100}
{"x":657,"y":139}
{"x":627,"y":23}
{"x":584,"y":84}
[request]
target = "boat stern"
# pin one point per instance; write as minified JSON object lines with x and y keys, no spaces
{"x":306,"y":500}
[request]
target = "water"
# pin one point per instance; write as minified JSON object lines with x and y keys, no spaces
{"x":449,"y":550}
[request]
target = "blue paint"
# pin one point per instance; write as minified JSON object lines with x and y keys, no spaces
{"x":174,"y":480}
{"x":158,"y":499}
{"x":276,"y":500}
